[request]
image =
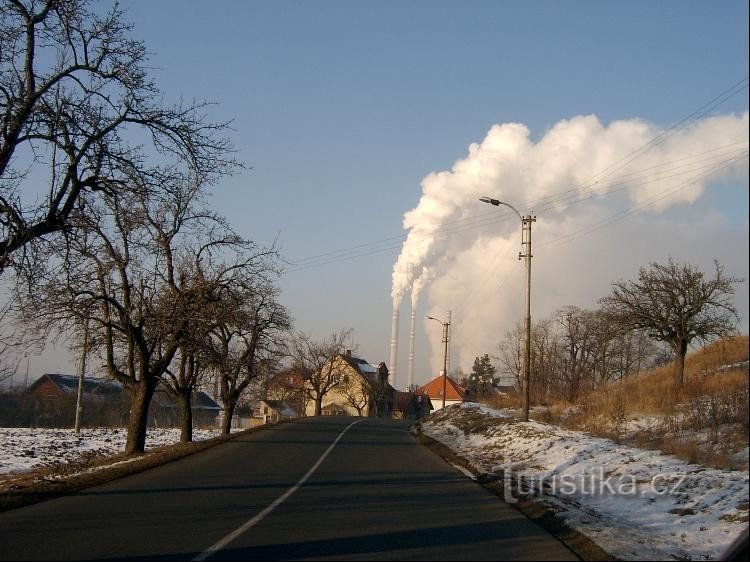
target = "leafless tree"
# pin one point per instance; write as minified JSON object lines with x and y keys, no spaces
{"x":123,"y":274}
{"x":356,"y":391}
{"x":676,"y":304}
{"x":78,"y":113}
{"x":316,"y":360}
{"x":248,"y":342}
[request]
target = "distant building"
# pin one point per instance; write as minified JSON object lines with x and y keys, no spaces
{"x":289,"y":387}
{"x":273,"y":411}
{"x":454,"y":392}
{"x":55,"y":392}
{"x":361,"y":389}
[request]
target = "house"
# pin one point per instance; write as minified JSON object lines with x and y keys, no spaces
{"x":289,"y":387}
{"x":360,"y":389}
{"x":54,"y":397}
{"x":107,"y":402}
{"x":164,"y":410}
{"x":454,"y":393}
{"x":52,"y":386}
{"x":273,"y":411}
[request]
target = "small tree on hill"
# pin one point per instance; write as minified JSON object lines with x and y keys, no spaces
{"x":482,"y":377}
{"x":676,"y":304}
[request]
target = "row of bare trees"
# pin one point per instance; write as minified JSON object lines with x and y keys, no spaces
{"x":642,"y":323}
{"x":104,"y":231}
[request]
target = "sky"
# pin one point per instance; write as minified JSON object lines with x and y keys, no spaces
{"x":358,"y":119}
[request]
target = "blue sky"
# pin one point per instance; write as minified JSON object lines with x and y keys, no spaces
{"x":340,"y":109}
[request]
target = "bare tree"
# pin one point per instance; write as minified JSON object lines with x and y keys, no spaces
{"x":121,"y":276}
{"x":356,"y":391}
{"x":676,"y":304}
{"x":77,"y":106}
{"x":248,"y":343}
{"x":316,"y":360}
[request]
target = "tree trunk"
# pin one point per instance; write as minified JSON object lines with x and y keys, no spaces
{"x":318,"y":405}
{"x":679,"y":365}
{"x":186,"y":417}
{"x":226,"y":422}
{"x":140,"y":398}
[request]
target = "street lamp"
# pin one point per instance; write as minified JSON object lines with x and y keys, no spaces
{"x":445,"y":353}
{"x":525,"y":241}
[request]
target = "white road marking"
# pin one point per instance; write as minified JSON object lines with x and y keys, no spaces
{"x":276,"y":503}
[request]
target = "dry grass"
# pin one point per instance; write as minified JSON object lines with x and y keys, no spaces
{"x":706,"y":421}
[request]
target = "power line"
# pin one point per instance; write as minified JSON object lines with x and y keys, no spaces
{"x":571,"y":196}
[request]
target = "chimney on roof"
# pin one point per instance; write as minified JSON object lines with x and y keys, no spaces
{"x":348,"y":353}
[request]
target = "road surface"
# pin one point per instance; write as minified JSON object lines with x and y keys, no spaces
{"x":330,"y":488}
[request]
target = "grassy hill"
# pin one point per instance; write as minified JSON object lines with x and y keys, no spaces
{"x":705,"y":422}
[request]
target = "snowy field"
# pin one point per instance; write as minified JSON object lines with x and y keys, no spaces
{"x":24,"y":449}
{"x":635,"y":504}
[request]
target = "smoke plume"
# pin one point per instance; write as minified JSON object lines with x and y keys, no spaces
{"x":581,"y":178}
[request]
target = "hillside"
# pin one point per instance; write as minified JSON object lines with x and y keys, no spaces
{"x":705,"y":422}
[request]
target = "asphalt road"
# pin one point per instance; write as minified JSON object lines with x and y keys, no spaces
{"x":332,"y":488}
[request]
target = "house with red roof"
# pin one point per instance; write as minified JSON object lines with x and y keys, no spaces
{"x":454,"y":392}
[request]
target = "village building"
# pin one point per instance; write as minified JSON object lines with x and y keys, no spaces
{"x":106,"y":402}
{"x":454,"y":392}
{"x":360,"y":389}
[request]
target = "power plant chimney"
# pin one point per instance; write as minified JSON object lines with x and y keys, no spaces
{"x":412,"y":331}
{"x":448,"y":318}
{"x":394,"y":348}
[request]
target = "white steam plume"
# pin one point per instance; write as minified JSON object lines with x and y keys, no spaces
{"x":563,"y":177}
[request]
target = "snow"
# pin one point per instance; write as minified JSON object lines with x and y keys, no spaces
{"x":636,"y":504}
{"x":24,"y":449}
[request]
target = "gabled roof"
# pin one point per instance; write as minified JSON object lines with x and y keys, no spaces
{"x":292,"y":379}
{"x":434,"y":389}
{"x":107,"y":387}
{"x":199,"y":400}
{"x":69,"y":384}
{"x":282,"y":407}
{"x":360,"y":365}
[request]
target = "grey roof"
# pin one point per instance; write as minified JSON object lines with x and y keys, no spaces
{"x":91,"y":385}
{"x":107,"y":387}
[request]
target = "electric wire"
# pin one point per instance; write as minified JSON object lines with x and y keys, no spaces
{"x":568,"y":197}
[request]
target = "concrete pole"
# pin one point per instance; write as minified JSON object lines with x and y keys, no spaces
{"x":526,"y":241}
{"x":445,"y":360}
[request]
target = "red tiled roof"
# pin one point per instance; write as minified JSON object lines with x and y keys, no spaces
{"x":434,"y":389}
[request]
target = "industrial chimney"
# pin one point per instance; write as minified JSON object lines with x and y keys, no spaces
{"x":448,"y":318}
{"x":394,"y":348}
{"x":412,"y":330}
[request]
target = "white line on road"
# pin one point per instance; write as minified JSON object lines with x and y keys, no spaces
{"x":277,"y":502}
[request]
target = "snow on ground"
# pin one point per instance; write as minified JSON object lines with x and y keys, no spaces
{"x":636,"y":504}
{"x":23,"y":449}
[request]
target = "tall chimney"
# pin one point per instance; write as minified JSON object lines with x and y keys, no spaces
{"x":412,"y":331}
{"x":394,"y":348}
{"x":448,"y":319}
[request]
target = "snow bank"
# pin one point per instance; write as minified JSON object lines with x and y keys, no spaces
{"x":636,"y":504}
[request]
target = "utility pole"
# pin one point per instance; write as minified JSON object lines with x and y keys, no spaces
{"x":445,"y":353}
{"x":526,"y":244}
{"x":526,"y":253}
{"x":445,"y":360}
{"x":81,"y":375}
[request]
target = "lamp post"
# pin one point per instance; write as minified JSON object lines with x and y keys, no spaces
{"x":445,"y":353}
{"x":526,"y":253}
